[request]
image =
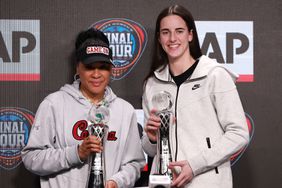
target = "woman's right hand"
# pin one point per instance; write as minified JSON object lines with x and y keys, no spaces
{"x":152,"y":126}
{"x":90,"y":145}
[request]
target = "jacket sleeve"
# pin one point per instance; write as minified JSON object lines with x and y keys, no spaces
{"x":133,"y":159}
{"x":41,"y":155}
{"x":232,"y":120}
{"x":149,"y":148}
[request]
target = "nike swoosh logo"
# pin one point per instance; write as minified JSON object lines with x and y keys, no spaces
{"x":196,"y":86}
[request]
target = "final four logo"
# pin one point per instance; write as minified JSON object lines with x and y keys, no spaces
{"x":15,"y":124}
{"x":127,"y":39}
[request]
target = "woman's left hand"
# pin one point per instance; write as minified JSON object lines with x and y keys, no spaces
{"x":185,"y":176}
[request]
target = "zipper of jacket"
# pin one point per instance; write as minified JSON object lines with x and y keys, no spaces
{"x":175,"y":110}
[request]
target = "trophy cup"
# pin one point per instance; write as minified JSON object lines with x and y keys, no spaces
{"x":162,"y":102}
{"x":98,"y":127}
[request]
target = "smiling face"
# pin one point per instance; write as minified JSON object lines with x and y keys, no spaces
{"x":174,"y":37}
{"x":94,"y":79}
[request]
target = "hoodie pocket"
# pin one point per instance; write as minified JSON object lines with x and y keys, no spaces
{"x":209,"y":146}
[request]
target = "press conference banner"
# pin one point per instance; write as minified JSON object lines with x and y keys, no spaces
{"x":36,"y":58}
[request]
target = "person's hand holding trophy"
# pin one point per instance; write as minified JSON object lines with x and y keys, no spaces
{"x":162,"y":103}
{"x":98,"y":118}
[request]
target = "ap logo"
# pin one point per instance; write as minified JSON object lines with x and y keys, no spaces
{"x":19,"y":50}
{"x":231,"y":44}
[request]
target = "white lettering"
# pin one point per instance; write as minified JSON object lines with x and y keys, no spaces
{"x":121,"y":50}
{"x":11,"y":127}
{"x":12,"y":140}
{"x":119,"y":38}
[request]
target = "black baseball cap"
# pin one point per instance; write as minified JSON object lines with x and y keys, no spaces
{"x":93,"y":46}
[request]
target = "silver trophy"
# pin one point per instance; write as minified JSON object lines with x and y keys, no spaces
{"x":162,"y":102}
{"x":99,"y":118}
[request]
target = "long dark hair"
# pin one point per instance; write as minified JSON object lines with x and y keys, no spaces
{"x":159,"y":57}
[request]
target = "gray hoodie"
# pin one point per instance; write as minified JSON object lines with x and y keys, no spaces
{"x":58,"y":129}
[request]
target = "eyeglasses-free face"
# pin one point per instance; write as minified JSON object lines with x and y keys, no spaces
{"x":174,"y":36}
{"x":94,"y":79}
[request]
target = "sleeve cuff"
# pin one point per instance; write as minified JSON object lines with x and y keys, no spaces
{"x":196,"y":164}
{"x":72,"y":155}
{"x":149,"y":147}
{"x":118,"y":182}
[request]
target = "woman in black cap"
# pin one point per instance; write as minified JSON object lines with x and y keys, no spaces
{"x":60,"y":145}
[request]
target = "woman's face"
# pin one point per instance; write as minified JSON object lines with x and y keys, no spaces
{"x":94,"y":79}
{"x":174,"y":37}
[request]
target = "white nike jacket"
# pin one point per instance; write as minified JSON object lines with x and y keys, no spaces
{"x":210,"y":122}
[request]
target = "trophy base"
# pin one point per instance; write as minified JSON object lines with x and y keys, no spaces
{"x":159,"y":181}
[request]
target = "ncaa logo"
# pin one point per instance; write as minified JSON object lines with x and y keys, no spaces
{"x":127,"y":39}
{"x":19,"y":50}
{"x":236,"y":156}
{"x":15,"y":126}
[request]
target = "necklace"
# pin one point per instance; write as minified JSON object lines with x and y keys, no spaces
{"x":102,"y":102}
{"x":86,"y":96}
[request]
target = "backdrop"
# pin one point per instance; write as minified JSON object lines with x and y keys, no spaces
{"x":36,"y":47}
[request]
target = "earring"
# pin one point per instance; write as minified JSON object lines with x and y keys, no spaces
{"x":76,"y":77}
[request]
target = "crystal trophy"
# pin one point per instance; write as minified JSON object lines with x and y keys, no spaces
{"x":162,"y":102}
{"x":99,"y":118}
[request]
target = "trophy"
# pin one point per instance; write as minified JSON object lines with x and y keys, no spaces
{"x":99,"y":118}
{"x":162,"y":102}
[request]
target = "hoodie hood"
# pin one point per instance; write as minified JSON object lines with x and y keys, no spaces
{"x":207,"y":65}
{"x":73,"y":90}
{"x":204,"y":67}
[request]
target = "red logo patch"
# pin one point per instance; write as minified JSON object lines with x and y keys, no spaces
{"x":112,"y":136}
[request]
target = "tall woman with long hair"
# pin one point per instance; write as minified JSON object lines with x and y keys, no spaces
{"x":210,"y":123}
